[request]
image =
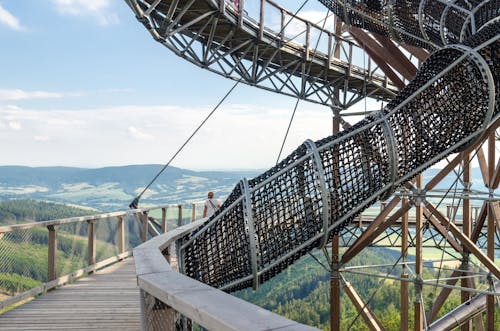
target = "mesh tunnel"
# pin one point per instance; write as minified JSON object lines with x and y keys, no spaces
{"x":272,"y":220}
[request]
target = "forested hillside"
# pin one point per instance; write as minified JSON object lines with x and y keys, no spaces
{"x":17,"y":211}
{"x":24,"y":253}
{"x":302,"y":292}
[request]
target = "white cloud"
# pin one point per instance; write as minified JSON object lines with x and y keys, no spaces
{"x":12,"y":107}
{"x":41,"y":138}
{"x":9,"y":20}
{"x":98,"y":9}
{"x":17,"y":94}
{"x":15,"y":126}
{"x":139,"y":134}
{"x":237,"y":136}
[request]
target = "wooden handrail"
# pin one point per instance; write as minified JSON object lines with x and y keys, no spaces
{"x":53,"y":279}
{"x":205,"y":305}
{"x":9,"y":228}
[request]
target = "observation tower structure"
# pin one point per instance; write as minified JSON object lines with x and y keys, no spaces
{"x":436,"y":65}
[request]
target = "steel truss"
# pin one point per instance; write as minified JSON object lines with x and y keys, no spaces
{"x":324,"y":185}
{"x":467,"y":236}
{"x":218,"y":37}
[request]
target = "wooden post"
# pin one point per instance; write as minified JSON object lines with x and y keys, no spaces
{"x":334,"y":268}
{"x":52,"y":256}
{"x":335,"y":286}
{"x":193,"y":212}
{"x":91,"y":242}
{"x":144,"y":232}
{"x":418,"y":313}
{"x":179,"y":216}
{"x":121,"y":235}
{"x":490,"y":299}
{"x":466,"y":228}
{"x":164,"y":220}
{"x":404,"y":296}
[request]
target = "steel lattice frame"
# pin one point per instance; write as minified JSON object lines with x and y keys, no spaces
{"x":323,"y":185}
{"x":215,"y":36}
{"x":314,"y":194}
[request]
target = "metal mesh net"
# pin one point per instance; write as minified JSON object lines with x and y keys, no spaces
{"x":72,"y":244}
{"x":269,"y":222}
{"x":23,"y":256}
{"x":425,"y":23}
{"x":24,"y":253}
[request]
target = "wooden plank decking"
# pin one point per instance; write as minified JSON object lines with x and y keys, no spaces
{"x":106,"y":300}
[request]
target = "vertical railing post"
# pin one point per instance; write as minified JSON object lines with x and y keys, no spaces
{"x":91,"y":241}
{"x":350,"y":61}
{"x":308,"y":41}
{"x":241,"y":7}
{"x":222,"y":6}
{"x":261,"y":22}
{"x":164,"y":220}
{"x":283,"y":22}
{"x":52,"y":254}
{"x":193,"y":213}
{"x":144,"y":233}
{"x":179,"y":215}
{"x":121,"y":235}
{"x":330,"y":49}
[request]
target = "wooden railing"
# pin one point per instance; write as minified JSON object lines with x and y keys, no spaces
{"x":19,"y":238}
{"x":169,"y":298}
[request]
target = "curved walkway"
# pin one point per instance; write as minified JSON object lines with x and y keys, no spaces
{"x":106,"y":300}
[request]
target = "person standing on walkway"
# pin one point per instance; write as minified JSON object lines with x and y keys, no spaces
{"x":211,"y":205}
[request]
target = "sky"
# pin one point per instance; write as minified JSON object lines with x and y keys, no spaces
{"x":82,"y":83}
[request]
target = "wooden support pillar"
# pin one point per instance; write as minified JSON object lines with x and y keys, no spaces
{"x":335,"y":286}
{"x":91,"y":241}
{"x":179,"y":215}
{"x":52,"y":254}
{"x":144,"y":233}
{"x":334,"y":268}
{"x":418,"y":312}
{"x":404,"y":296}
{"x":193,"y":212}
{"x":490,"y":299}
{"x":466,"y":228}
{"x":164,"y":220}
{"x":121,"y":235}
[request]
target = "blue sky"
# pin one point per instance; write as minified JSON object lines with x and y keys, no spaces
{"x":83,"y":84}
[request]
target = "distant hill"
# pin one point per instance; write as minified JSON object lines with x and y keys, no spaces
{"x":112,"y":188}
{"x":27,"y":210}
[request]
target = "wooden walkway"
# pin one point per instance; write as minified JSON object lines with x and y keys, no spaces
{"x":106,"y":300}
